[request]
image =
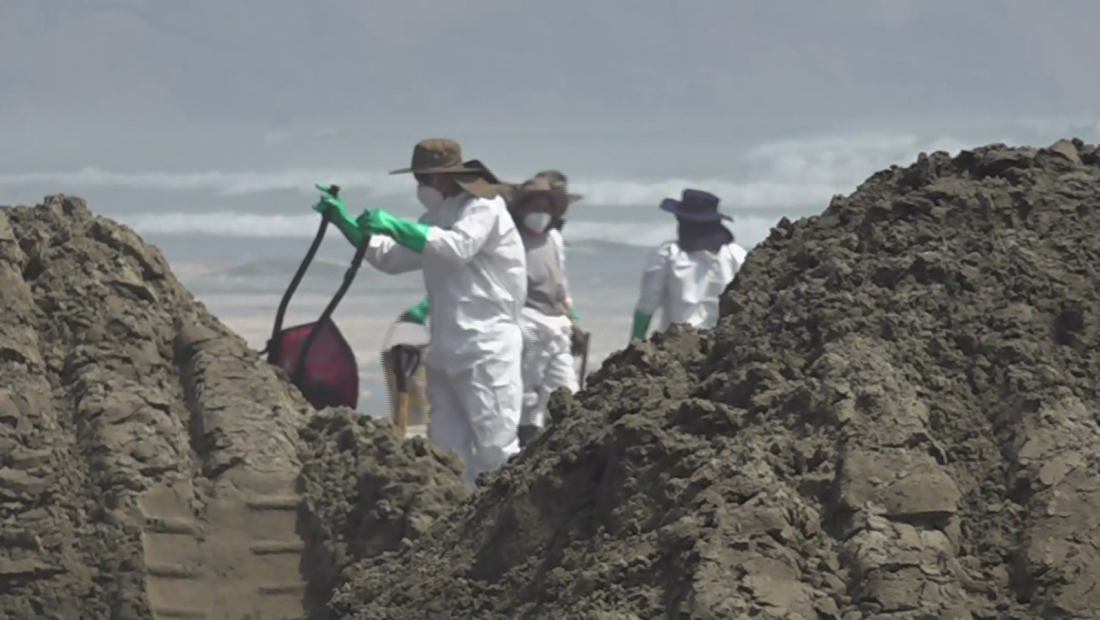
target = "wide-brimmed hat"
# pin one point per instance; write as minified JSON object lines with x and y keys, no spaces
{"x":443,"y":156}
{"x":540,"y":186}
{"x":436,"y":156}
{"x":483,"y":183}
{"x":695,"y":205}
{"x":482,"y":170}
{"x":558,"y":179}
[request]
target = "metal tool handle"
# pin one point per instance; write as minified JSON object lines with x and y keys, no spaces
{"x":405,"y":359}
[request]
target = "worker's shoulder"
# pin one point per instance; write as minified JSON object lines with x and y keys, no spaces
{"x":490,"y":212}
{"x":666,"y":251}
{"x":736,"y":251}
{"x":496,"y":203}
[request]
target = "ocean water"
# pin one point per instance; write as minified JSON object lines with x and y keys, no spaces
{"x":234,"y":221}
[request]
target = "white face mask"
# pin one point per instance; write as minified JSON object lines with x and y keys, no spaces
{"x":537,"y":222}
{"x":429,"y":196}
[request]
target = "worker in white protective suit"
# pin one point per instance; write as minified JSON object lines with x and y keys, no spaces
{"x":580,"y":337}
{"x":475,"y":272}
{"x":418,"y":314}
{"x":548,"y":361}
{"x":684,"y":279}
{"x":547,"y":324}
{"x":558,"y":180}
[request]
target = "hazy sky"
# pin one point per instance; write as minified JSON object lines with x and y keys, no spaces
{"x":567,"y":63}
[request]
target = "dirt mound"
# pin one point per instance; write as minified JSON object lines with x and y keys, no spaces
{"x":368,"y":492}
{"x":149,"y":461}
{"x":896,"y":418}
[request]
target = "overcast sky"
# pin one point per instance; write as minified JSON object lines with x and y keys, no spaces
{"x":555,"y":62}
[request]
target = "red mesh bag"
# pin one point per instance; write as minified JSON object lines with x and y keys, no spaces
{"x":329,"y":375}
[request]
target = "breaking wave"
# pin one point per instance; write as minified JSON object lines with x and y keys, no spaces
{"x":775,"y":175}
{"x":749,"y":229}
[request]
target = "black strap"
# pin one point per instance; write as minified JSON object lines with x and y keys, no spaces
{"x":272,"y":344}
{"x":326,"y":316}
{"x":584,"y":359}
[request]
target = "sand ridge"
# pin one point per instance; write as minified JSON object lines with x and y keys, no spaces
{"x":150,"y":462}
{"x":895,"y":419}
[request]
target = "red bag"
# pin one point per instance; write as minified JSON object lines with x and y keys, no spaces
{"x":329,"y":374}
{"x":317,"y":357}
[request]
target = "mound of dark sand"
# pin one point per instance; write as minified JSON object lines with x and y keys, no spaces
{"x":368,"y":492}
{"x":896,"y":418}
{"x":151,"y":465}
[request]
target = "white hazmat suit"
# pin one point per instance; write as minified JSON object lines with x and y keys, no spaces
{"x":685,"y":286}
{"x":475,"y":273}
{"x":548,"y":330}
{"x":559,"y":243}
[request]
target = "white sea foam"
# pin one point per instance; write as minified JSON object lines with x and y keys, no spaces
{"x":749,"y":230}
{"x":777,"y":175}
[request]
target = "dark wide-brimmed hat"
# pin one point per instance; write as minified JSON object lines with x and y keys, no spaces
{"x":558,"y":179}
{"x":443,"y":156}
{"x":483,"y":170}
{"x":695,"y":205}
{"x":540,"y":186}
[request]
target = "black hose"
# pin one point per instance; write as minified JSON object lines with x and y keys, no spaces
{"x":326,"y":316}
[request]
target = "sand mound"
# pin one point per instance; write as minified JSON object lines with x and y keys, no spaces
{"x":896,"y":418}
{"x":368,"y":492}
{"x":151,"y":465}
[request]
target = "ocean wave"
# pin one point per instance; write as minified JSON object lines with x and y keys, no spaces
{"x":793,"y":174}
{"x":223,"y":224}
{"x":776,"y":175}
{"x":748,"y":229}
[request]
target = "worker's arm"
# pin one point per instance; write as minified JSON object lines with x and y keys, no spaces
{"x":388,"y":257}
{"x":652,"y":296}
{"x":570,"y":310}
{"x":459,"y":244}
{"x":465,"y":239}
{"x":382,"y":252}
{"x":567,"y":299}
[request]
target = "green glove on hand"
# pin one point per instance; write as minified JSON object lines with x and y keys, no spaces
{"x":417,"y":314}
{"x":412,"y":235}
{"x":573,"y":314}
{"x":332,"y":204}
{"x":641,"y":325}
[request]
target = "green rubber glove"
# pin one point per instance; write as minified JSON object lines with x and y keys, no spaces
{"x":573,"y":313}
{"x":641,"y":325}
{"x":417,"y":314}
{"x":334,"y":206}
{"x":412,"y":235}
